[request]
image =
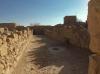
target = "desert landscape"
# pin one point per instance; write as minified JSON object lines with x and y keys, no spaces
{"x":72,"y":47}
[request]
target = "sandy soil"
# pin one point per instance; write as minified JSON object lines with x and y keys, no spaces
{"x":41,"y":58}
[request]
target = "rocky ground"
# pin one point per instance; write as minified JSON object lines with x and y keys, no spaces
{"x":48,"y":57}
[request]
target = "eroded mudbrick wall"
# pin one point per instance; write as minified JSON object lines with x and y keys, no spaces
{"x":12,"y":44}
{"x":94,"y":29}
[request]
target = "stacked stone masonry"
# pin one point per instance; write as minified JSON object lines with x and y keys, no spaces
{"x":94,"y":29}
{"x":12,"y":44}
{"x":94,"y":64}
{"x":10,"y":26}
{"x":75,"y":35}
{"x":68,"y":20}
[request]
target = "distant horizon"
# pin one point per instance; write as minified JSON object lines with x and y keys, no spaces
{"x":44,"y":24}
{"x":45,"y":12}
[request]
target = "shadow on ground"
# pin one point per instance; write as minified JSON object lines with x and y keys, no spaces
{"x":73,"y":60}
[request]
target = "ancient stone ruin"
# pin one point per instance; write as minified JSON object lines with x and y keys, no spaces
{"x":12,"y":45}
{"x":10,"y":26}
{"x":69,"y":20}
{"x":15,"y":39}
{"x":94,"y":30}
{"x":71,"y":32}
{"x":74,"y":35}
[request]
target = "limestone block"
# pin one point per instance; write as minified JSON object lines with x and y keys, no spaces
{"x":3,"y":50}
{"x":10,"y":48}
{"x":8,"y":33}
{"x":15,"y":37}
{"x":1,"y":41}
{"x":10,"y":40}
{"x":1,"y":30}
{"x":94,"y":25}
{"x":25,"y":34}
{"x":1,"y":68}
{"x":20,"y":33}
{"x":29,"y":32}
{"x":10,"y":60}
{"x":4,"y":37}
{"x":76,"y":36}
{"x":94,"y":64}
{"x":11,"y":35}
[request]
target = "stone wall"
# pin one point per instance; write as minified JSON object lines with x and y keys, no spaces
{"x":68,"y":20}
{"x":10,"y":26}
{"x":94,"y":29}
{"x":39,"y":30}
{"x":94,"y":64}
{"x":71,"y":32}
{"x":75,"y":35}
{"x":94,"y":25}
{"x":12,"y":44}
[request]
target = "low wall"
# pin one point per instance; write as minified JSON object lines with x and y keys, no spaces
{"x":12,"y":44}
{"x":39,"y":30}
{"x":70,"y":35}
{"x":10,"y":26}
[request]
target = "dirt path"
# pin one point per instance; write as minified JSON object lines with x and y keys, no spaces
{"x":48,"y":57}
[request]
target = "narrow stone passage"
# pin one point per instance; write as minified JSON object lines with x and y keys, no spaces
{"x":48,"y":57}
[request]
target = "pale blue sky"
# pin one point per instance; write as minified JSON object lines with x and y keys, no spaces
{"x":46,"y":12}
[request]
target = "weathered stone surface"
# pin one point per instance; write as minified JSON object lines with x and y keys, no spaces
{"x":12,"y":43}
{"x":1,"y":68}
{"x":68,"y":20}
{"x":4,"y":37}
{"x":1,"y":41}
{"x":71,"y":34}
{"x":3,"y":50}
{"x":94,"y":29}
{"x":94,"y":64}
{"x":94,"y":25}
{"x":10,"y":26}
{"x":1,"y":30}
